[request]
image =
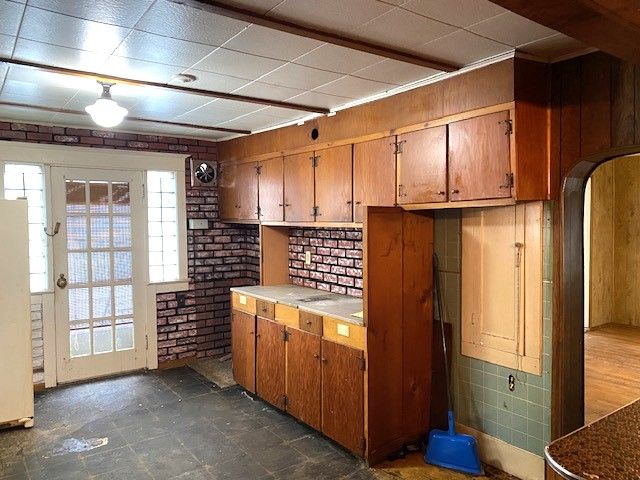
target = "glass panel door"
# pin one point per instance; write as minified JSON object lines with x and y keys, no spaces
{"x":98,"y":327}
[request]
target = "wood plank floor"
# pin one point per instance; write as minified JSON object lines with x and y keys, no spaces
{"x":612,"y":369}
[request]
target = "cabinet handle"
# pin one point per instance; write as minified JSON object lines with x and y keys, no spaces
{"x":257,"y":335}
{"x":455,"y":190}
{"x":315,"y":355}
{"x":281,"y":204}
{"x":401,"y":191}
{"x":323,"y":360}
{"x":287,"y":204}
{"x":308,"y":322}
{"x":358,"y":203}
{"x":349,"y":202}
{"x":442,"y":192}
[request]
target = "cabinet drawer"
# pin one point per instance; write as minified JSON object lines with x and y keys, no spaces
{"x":310,"y":322}
{"x":289,"y":316}
{"x":265,"y":309}
{"x":344,"y":333}
{"x":242,"y":302}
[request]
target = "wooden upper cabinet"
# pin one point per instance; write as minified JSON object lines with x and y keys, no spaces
{"x":374,"y":175}
{"x":333,"y":174}
{"x":227,"y":191}
{"x":298,"y":188}
{"x":247,"y":191}
{"x":271,"y":190}
{"x":422,"y":166}
{"x":480,"y":158}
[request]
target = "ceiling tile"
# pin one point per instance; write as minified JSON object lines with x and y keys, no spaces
{"x":268,"y":91}
{"x":286,"y":114}
{"x":6,"y":45}
{"x":271,"y":43}
{"x":319,"y":99}
{"x":163,"y":104}
{"x":463,"y":48}
{"x":175,"y":20}
{"x":24,"y":114}
{"x":139,"y":69}
{"x":298,"y":76}
{"x":335,"y":15}
{"x":511,"y":29}
{"x":127,"y":96}
{"x":11,"y":14}
{"x":402,"y":29}
{"x":395,"y":72}
{"x":169,"y":51}
{"x":552,"y":48}
{"x":354,"y":87}
{"x":261,"y":6}
{"x":41,"y":98}
{"x":57,"y":29}
{"x":237,"y":64}
{"x":218,"y":111}
{"x":460,"y":13}
{"x":59,"y":56}
{"x":37,"y":86}
{"x":211,"y":81}
{"x":124,"y":13}
{"x":338,"y":59}
{"x":253,"y":121}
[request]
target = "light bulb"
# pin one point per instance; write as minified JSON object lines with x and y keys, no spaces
{"x":106,"y":112}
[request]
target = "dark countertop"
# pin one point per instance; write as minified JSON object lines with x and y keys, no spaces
{"x":607,"y":449}
{"x":311,"y":300}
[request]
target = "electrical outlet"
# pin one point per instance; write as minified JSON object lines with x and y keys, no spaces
{"x":512,"y":383}
{"x":307,"y":258}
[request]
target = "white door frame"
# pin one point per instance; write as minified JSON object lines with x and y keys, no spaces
{"x":91,"y":366}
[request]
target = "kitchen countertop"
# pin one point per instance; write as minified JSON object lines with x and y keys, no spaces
{"x":607,"y":449}
{"x":311,"y":300}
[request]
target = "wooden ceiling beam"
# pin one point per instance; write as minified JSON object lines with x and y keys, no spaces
{"x":135,"y":119}
{"x":610,"y":26}
{"x":256,"y":18}
{"x":176,"y":88}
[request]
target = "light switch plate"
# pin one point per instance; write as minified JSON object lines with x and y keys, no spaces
{"x":198,"y":224}
{"x":242,"y":299}
{"x":343,"y":330}
{"x":307,"y":258}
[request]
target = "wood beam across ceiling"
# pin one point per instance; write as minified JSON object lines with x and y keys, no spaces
{"x":176,"y":88}
{"x":135,"y":119}
{"x":612,"y":26}
{"x":256,"y":18}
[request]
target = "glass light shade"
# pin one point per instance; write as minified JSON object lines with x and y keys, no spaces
{"x":106,"y":112}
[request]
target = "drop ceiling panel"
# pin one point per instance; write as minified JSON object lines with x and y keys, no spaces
{"x":512,"y":29}
{"x":301,"y":77}
{"x":211,"y":81}
{"x":398,"y":73}
{"x":319,"y":99}
{"x":268,"y":91}
{"x":162,"y":104}
{"x":238,"y":64}
{"x":260,"y":6}
{"x":460,"y":13}
{"x":338,"y":59}
{"x":174,"y":20}
{"x":331,"y":15}
{"x":10,"y":13}
{"x":463,"y":48}
{"x":124,"y":13}
{"x":266,"y":42}
{"x":213,"y":114}
{"x":59,"y":56}
{"x":73,"y":120}
{"x":48,"y":27}
{"x":254,"y":121}
{"x":353,"y":87}
{"x":126,"y":96}
{"x":38,"y":85}
{"x":552,"y":48}
{"x":286,"y":114}
{"x":402,"y":29}
{"x":154,"y":48}
{"x":139,"y":69}
{"x":24,"y":115}
{"x":6,"y":45}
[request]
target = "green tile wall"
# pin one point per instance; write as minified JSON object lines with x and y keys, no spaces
{"x":482,"y":399}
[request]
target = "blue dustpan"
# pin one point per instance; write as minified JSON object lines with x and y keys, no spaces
{"x":446,"y":448}
{"x":456,"y":451}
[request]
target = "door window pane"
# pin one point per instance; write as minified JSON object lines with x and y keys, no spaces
{"x":100,"y":267}
{"x":78,"y":269}
{"x":79,"y":342}
{"x":78,"y":304}
{"x":124,"y":300}
{"x":124,"y":334}
{"x":101,"y":302}
{"x":99,"y":197}
{"x":102,"y":338}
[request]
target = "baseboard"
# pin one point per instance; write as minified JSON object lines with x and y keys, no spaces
{"x":508,"y":458}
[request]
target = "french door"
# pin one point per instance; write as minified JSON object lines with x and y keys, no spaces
{"x":99,"y":272}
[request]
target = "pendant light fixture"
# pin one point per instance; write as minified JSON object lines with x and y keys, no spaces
{"x":106,"y":112}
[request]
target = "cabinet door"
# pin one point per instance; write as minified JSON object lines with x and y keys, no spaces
{"x":270,"y":367}
{"x":304,"y":377}
{"x":374,"y":175}
{"x":247,"y":191}
{"x":334,"y":191}
{"x":271,"y":190}
{"x":298,"y":188}
{"x":422,"y":166}
{"x":227,"y":192}
{"x":479,"y":158}
{"x":342,"y":395}
{"x":243,"y":349}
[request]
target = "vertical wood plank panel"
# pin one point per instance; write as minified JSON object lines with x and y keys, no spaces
{"x":622,"y":103}
{"x":570,"y":115}
{"x":554,"y":136}
{"x":595,"y":113}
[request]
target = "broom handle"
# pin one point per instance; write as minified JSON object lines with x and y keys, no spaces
{"x":441,"y":314}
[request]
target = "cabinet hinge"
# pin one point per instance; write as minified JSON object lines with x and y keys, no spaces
{"x":146,"y":342}
{"x":315,"y":212}
{"x":259,"y":212}
{"x":508,"y":126}
{"x":363,"y":364}
{"x":285,"y":336}
{"x":363,"y":444}
{"x":285,"y":400}
{"x":315,"y":159}
{"x":397,"y":146}
{"x":508,"y":181}
{"x":144,"y":190}
{"x":258,"y":169}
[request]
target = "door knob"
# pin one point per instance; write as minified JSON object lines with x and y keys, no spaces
{"x":62,"y":281}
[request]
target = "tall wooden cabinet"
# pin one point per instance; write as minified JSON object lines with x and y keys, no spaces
{"x":299,"y":197}
{"x":271,"y":190}
{"x":333,"y":194}
{"x":374,"y":175}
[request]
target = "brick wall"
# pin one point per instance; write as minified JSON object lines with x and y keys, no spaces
{"x":220,"y":257}
{"x":336,"y":259}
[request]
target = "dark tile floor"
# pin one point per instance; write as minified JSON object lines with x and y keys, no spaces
{"x":165,"y":425}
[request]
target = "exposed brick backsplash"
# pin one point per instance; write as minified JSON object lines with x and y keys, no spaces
{"x":221,"y":257}
{"x":336,"y":259}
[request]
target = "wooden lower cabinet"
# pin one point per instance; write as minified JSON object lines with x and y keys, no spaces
{"x":270,"y":362}
{"x":304,"y":377}
{"x":243,"y":347}
{"x":343,"y":395}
